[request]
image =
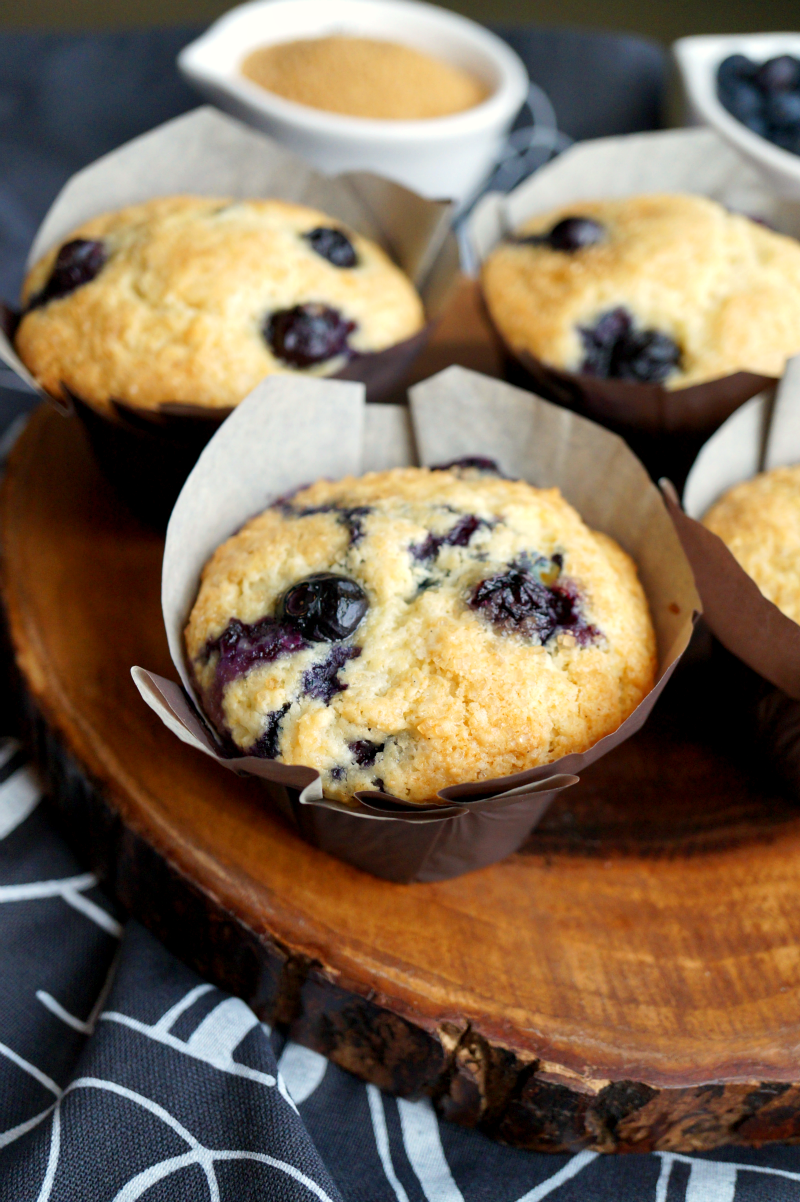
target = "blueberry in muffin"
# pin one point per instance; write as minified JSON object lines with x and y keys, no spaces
{"x":661,"y":289}
{"x":195,"y":300}
{"x":416,"y":628}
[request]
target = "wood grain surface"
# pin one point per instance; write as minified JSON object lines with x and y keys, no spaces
{"x":628,"y":981}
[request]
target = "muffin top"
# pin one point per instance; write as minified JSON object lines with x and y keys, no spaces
{"x":668,"y":289}
{"x":417,"y":628}
{"x":759,"y":522}
{"x":194,"y":300}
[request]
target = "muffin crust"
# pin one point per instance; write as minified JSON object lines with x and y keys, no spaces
{"x":759,"y":522}
{"x":179,"y":309}
{"x":437,"y":684}
{"x":725,"y":289}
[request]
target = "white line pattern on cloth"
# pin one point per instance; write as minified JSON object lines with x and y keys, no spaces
{"x":30,"y":1069}
{"x":302,"y":1070}
{"x":201,"y":1155}
{"x":69,"y":889}
{"x":19,"y":797}
{"x":158,"y":1033}
{"x":50,"y":1003}
{"x":423,"y":1145}
{"x":662,"y":1185}
{"x":710,"y":1182}
{"x":85,"y":1026}
{"x":168,"y":1020}
{"x":570,"y":1170}
{"x":52,"y":1159}
{"x":378,"y":1116}
{"x":13,"y":1133}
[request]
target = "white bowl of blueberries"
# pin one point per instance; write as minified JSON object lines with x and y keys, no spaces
{"x":747,"y":88}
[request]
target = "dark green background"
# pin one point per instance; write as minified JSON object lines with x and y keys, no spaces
{"x":663,"y":19}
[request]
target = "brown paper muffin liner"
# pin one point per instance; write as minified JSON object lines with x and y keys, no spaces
{"x":763,"y":435}
{"x":208,"y":153}
{"x":665,"y":427}
{"x":291,"y":431}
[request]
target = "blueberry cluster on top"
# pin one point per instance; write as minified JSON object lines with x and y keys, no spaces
{"x":763,"y":96}
{"x":616,"y":349}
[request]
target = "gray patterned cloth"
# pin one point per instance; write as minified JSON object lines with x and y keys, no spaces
{"x":122,"y":1074}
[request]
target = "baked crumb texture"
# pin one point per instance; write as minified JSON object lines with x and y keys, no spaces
{"x":501,"y":632}
{"x":723,"y":288}
{"x":179,"y":308}
{"x":759,"y":522}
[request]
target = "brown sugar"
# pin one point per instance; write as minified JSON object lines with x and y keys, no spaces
{"x":362,"y":77}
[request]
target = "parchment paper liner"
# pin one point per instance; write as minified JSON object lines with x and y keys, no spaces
{"x":208,"y":153}
{"x":290,"y":431}
{"x":763,"y":434}
{"x":687,"y":160}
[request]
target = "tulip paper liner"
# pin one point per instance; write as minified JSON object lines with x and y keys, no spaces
{"x":207,"y":153}
{"x":694,"y":161}
{"x":291,"y":431}
{"x":763,"y":434}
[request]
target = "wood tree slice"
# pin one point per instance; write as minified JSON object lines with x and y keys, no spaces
{"x":628,"y":981}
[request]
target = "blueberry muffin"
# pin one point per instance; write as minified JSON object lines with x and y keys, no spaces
{"x":194,"y":300}
{"x":759,"y":522}
{"x":671,"y":290}
{"x":417,"y":628}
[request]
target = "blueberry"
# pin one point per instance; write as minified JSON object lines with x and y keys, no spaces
{"x":734,"y":69}
{"x":457,"y":536}
{"x":782,"y":111}
{"x":267,"y":746}
{"x":610,"y":330}
{"x":322,"y":680}
{"x":745,"y":103}
{"x":575,"y":233}
{"x":324,"y":607}
{"x":241,"y":646}
{"x":614,"y":349}
{"x":569,"y":234}
{"x":353,"y":518}
{"x":787,"y":139}
{"x":337,"y":772}
{"x":365,"y":752}
{"x":475,"y":462}
{"x":758,"y":125}
{"x":77,"y":263}
{"x":517,"y":601}
{"x":308,"y":334}
{"x":332,"y":245}
{"x":780,"y":74}
{"x":648,"y":357}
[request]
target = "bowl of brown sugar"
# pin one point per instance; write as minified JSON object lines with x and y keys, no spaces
{"x":396,"y":87}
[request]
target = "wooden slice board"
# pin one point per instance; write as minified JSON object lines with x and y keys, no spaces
{"x":630,"y":980}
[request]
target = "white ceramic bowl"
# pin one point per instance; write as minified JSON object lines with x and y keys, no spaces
{"x":441,"y":158}
{"x":698,"y":59}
